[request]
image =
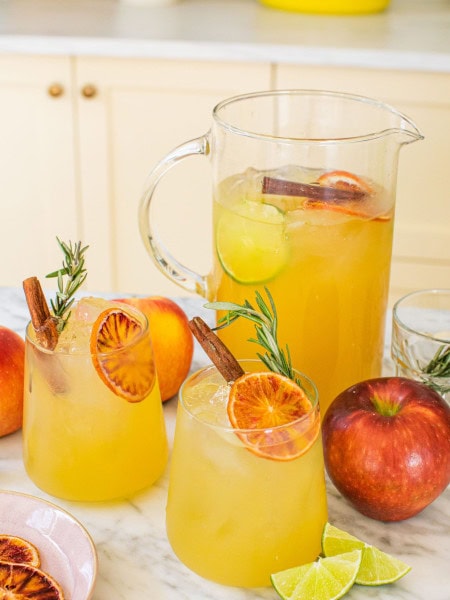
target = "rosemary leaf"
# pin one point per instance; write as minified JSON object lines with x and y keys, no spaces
{"x":74,"y":271}
{"x":266,"y":326}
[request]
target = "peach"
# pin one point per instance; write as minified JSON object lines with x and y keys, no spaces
{"x":173,"y":343}
{"x":12,"y":359}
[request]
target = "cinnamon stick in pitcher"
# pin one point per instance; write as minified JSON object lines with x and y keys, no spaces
{"x":314,"y":191}
{"x":217,"y":352}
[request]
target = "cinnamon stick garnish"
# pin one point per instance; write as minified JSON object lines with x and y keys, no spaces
{"x":282,"y":187}
{"x":216,"y":350}
{"x":43,"y":322}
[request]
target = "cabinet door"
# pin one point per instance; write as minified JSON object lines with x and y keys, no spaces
{"x":142,"y":109}
{"x":37,"y":176}
{"x":421,"y":256}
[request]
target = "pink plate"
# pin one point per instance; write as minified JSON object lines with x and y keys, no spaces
{"x":66,"y":549}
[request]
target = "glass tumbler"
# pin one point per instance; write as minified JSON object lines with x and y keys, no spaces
{"x":81,"y":440}
{"x":235,"y":516}
{"x":421,"y":338}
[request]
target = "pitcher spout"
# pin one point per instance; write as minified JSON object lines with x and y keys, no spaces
{"x":408,"y":132}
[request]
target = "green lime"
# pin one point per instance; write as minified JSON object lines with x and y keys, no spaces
{"x":324,"y":579}
{"x":251,"y":242}
{"x":377,"y":567}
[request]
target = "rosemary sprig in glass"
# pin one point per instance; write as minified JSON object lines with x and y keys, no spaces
{"x":266,"y":324}
{"x":70,"y":277}
{"x":439,"y":366}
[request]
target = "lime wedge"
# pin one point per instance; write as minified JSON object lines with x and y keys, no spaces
{"x":377,"y":567}
{"x":324,"y":579}
{"x":251,"y":242}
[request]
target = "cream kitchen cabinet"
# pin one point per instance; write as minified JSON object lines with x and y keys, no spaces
{"x":38,"y":183}
{"x":78,"y":138}
{"x":421,"y":256}
{"x":141,"y":110}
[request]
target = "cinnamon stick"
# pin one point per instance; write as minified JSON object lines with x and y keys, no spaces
{"x":43,"y":322}
{"x":282,"y":187}
{"x":216,"y":350}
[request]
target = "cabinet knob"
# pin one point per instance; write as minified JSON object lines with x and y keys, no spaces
{"x":89,"y":91}
{"x":55,"y":90}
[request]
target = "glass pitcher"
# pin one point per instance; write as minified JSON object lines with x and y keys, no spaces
{"x":303,"y":203}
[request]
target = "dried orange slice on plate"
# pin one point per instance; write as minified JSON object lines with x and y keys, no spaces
{"x":122,"y":355}
{"x":278,"y":410}
{"x":21,"y":581}
{"x":14,"y":549}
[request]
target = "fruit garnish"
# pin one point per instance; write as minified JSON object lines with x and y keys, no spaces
{"x":14,"y":549}
{"x":324,"y":579}
{"x":251,"y":245}
{"x":377,"y":567}
{"x":273,"y":413}
{"x":344,"y":180}
{"x":124,"y":363}
{"x":21,"y":581}
{"x":280,"y":412}
{"x":337,"y":191}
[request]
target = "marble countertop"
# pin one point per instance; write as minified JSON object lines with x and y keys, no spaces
{"x":135,"y":558}
{"x":410,"y":35}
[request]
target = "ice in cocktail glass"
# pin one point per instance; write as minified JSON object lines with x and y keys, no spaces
{"x":243,"y":504}
{"x":93,"y":422}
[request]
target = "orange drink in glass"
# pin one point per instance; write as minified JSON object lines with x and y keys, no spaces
{"x":93,"y":422}
{"x":243,"y":504}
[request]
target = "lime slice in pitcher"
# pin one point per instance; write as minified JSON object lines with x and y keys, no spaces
{"x":251,"y":242}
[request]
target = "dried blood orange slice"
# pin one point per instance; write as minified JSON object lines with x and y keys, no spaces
{"x":344,"y":180}
{"x":122,"y":355}
{"x":14,"y":549}
{"x":363,"y":204}
{"x":282,"y":416}
{"x":20,"y":581}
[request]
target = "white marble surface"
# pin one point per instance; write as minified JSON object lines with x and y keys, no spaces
{"x":135,"y":558}
{"x":410,"y":35}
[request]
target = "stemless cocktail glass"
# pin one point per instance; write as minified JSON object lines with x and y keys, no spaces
{"x":235,"y":516}
{"x":83,"y":441}
{"x":304,"y":192}
{"x":421,"y":338}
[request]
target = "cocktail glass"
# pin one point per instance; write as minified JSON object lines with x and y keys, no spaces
{"x":235,"y":512}
{"x":421,"y":338}
{"x":81,"y":440}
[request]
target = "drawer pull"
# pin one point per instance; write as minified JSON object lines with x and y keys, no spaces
{"x":55,"y":90}
{"x":89,"y":91}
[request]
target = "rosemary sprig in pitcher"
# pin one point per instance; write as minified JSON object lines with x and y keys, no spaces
{"x":266,"y":324}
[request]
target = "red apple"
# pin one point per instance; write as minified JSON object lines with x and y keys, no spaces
{"x":387,"y":446}
{"x":12,"y":359}
{"x":173,"y":343}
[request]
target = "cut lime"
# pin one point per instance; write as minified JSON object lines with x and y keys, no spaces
{"x":251,"y":242}
{"x":324,"y":579}
{"x":377,"y":567}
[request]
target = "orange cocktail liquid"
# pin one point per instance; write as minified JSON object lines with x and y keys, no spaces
{"x":81,"y":441}
{"x":327,"y":270}
{"x":234,"y":517}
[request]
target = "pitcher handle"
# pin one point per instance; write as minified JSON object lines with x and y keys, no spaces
{"x":166,"y":263}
